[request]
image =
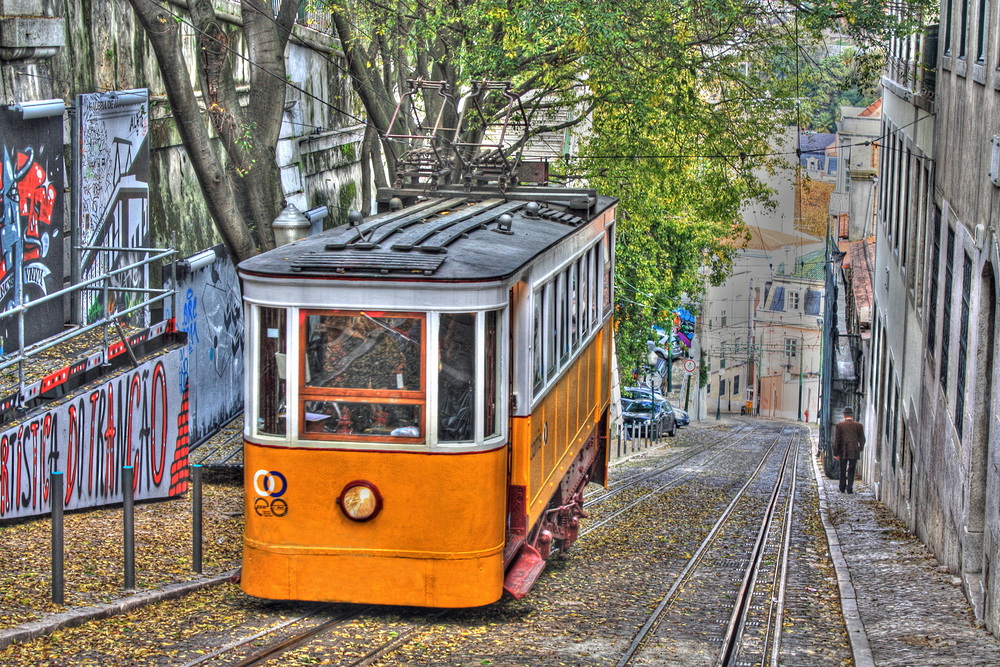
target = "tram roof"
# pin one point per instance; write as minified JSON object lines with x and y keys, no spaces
{"x":444,"y":238}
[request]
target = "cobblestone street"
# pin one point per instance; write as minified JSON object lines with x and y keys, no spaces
{"x":872,"y":595}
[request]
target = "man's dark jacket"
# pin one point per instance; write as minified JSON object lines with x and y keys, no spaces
{"x":848,"y":439}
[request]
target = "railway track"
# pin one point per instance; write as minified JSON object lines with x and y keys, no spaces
{"x":336,"y":628}
{"x":715,"y":453}
{"x":734,"y":580}
{"x":633,"y":478}
{"x":748,"y":634}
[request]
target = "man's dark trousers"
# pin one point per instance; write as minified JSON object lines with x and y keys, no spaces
{"x":847,"y":469}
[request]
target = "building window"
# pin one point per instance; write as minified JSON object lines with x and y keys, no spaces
{"x":963,"y":33}
{"x":722,"y":386}
{"x":981,"y":33}
{"x":935,"y":266}
{"x":906,"y":218}
{"x":723,"y":318}
{"x":963,"y":345}
{"x":949,"y":281}
{"x":793,"y":300}
{"x":896,"y":418}
{"x":898,"y":186}
{"x":736,"y":385}
{"x":889,"y":414}
{"x":947,"y":32}
{"x":791,"y":347}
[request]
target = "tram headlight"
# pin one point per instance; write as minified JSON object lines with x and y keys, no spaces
{"x":360,"y":501}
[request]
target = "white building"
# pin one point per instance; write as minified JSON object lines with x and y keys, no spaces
{"x":745,"y":325}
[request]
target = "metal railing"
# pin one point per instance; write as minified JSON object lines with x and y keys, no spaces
{"x":632,"y":438}
{"x":100,"y":284}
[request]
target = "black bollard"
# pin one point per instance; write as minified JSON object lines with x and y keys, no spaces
{"x":56,"y":494}
{"x":128,"y":505}
{"x":196,"y":519}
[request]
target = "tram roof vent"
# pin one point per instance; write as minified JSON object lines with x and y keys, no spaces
{"x":560,"y":217}
{"x":372,"y":261}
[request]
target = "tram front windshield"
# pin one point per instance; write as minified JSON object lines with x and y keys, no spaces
{"x":363,"y":374}
{"x":366,"y":376}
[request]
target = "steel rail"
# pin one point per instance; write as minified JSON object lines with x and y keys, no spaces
{"x":228,"y":648}
{"x":734,"y":628}
{"x":299,"y":638}
{"x":396,"y":642}
{"x":303,"y":636}
{"x":659,"y":489}
{"x":786,"y":548}
{"x":627,"y":482}
{"x":697,"y":557}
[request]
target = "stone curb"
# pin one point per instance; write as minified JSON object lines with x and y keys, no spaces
{"x":856,"y":633}
{"x":80,"y":615}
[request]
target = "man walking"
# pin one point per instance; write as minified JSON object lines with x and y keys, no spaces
{"x":848,"y":441}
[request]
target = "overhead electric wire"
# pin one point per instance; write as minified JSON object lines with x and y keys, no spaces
{"x":344,"y":70}
{"x":741,"y":155}
{"x":251,"y":62}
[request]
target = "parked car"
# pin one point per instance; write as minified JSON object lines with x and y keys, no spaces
{"x":645,"y":416}
{"x":641,"y":393}
{"x":681,"y":416}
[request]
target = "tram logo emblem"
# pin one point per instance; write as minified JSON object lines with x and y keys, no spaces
{"x":269,"y":483}
{"x":274,"y":507}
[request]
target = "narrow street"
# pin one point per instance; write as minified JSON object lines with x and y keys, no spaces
{"x":709,"y":546}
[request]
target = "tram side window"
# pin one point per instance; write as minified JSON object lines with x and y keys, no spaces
{"x":584,"y":265}
{"x":552,"y":328}
{"x":566,"y":310}
{"x":538,"y":340}
{"x":272,"y":388}
{"x":491,"y":412}
{"x":457,"y":377}
{"x":609,"y":244}
{"x":573,"y":296}
{"x":362,"y":374}
{"x":595,"y":279}
{"x":563,"y":317}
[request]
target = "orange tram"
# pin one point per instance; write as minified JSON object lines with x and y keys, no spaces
{"x":427,"y":397}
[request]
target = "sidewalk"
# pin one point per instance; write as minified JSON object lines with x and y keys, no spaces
{"x":900,"y":607}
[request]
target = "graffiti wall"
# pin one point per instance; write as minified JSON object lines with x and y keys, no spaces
{"x":31,"y":224}
{"x":113,"y":196}
{"x":138,"y":418}
{"x":210,"y":312}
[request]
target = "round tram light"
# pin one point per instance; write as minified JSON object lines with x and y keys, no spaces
{"x":360,"y":501}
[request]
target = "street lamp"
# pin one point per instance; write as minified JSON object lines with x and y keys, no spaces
{"x":718,"y":406}
{"x":656,"y":354}
{"x":653,"y":356}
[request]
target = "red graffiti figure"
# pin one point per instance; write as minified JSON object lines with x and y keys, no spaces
{"x":37,"y":199}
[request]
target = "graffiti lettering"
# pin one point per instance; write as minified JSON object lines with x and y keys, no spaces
{"x":130,"y":420}
{"x":37,"y":197}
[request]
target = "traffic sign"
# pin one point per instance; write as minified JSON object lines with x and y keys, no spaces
{"x":690,"y":365}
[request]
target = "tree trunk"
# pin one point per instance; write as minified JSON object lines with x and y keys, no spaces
{"x":248,"y":134}
{"x":162,"y":30}
{"x":370,"y":89}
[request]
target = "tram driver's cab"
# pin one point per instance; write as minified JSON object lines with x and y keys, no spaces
{"x":364,"y":376}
